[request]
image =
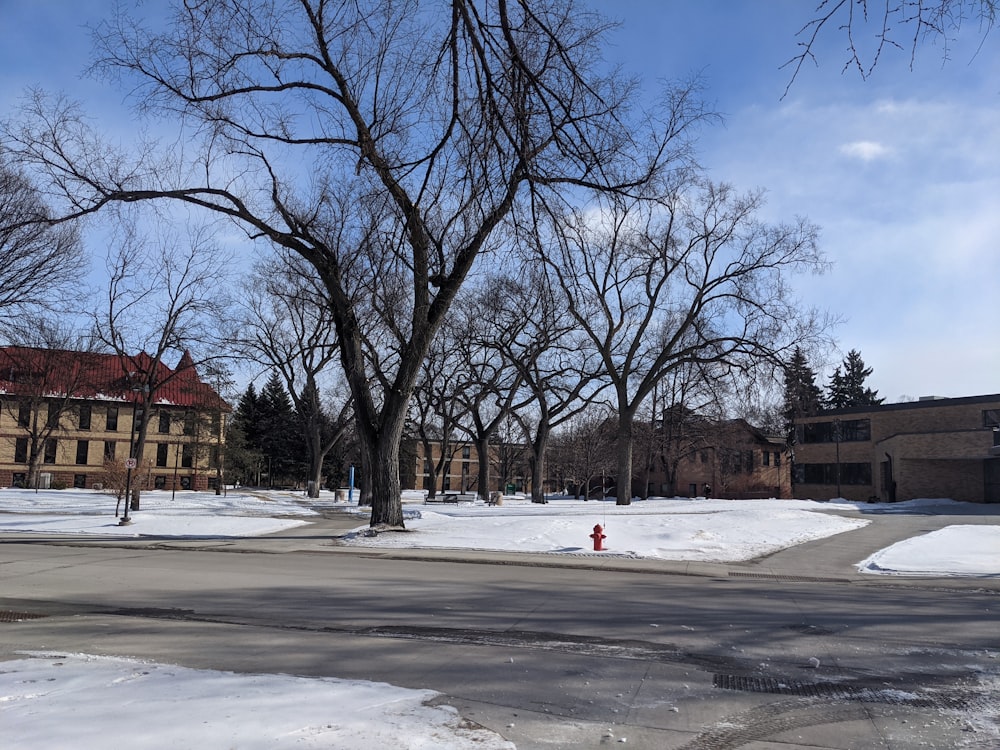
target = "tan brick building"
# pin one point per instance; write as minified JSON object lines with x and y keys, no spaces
{"x":64,"y":415}
{"x":460,"y":468}
{"x":727,"y":459}
{"x":935,"y":448}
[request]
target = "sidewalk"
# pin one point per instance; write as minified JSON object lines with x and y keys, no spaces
{"x":832,"y":558}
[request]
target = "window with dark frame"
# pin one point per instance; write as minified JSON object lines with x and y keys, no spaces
{"x":82,"y":452}
{"x":187,"y":456}
{"x":84,"y":412}
{"x":24,"y":414}
{"x":161,"y":454}
{"x":111,"y":425}
{"x":164,"y":426}
{"x":21,"y":451}
{"x":109,"y":450}
{"x":51,"y":446}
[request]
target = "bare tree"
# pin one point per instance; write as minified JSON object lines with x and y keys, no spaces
{"x":383,"y":142}
{"x":489,"y":389}
{"x":40,"y":263}
{"x":872,"y":29}
{"x":287,"y":326}
{"x":162,"y":300}
{"x":545,"y":349}
{"x":584,"y":449}
{"x":689,"y":279}
{"x":435,"y":408}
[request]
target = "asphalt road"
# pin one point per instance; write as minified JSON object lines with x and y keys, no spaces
{"x":795,"y":651}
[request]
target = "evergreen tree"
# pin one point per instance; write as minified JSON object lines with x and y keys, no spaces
{"x":244,"y":457}
{"x":803,"y":398}
{"x":280,"y":435}
{"x":847,"y":384}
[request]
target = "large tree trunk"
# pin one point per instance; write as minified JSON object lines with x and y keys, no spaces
{"x":483,"y":453}
{"x":624,"y":464}
{"x":538,"y":464}
{"x":380,"y":464}
{"x":314,"y":444}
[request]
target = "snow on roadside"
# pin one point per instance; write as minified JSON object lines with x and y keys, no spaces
{"x":83,"y":702}
{"x":960,"y":550}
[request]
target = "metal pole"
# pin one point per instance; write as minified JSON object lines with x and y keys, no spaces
{"x":350,"y":485}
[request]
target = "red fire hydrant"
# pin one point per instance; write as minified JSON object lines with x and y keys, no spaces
{"x":598,"y":536}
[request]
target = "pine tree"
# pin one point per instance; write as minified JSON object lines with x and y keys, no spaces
{"x":244,"y":457}
{"x":803,"y":398}
{"x":847,"y":384}
{"x":280,"y":435}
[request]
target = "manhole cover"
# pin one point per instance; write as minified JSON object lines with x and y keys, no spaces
{"x":10,"y":616}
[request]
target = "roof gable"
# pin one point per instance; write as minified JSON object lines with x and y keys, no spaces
{"x":28,"y":371}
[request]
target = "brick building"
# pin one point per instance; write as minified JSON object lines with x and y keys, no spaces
{"x":727,"y":459}
{"x":64,"y":415}
{"x":459,"y":469}
{"x":947,"y":448}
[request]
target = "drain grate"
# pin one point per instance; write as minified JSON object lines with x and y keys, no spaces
{"x":786,"y":578}
{"x":841,"y":692}
{"x":11,"y":616}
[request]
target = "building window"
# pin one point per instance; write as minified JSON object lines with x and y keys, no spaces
{"x":189,"y":423}
{"x":19,"y":479}
{"x":466,"y":451}
{"x":185,"y":483}
{"x":187,"y":456}
{"x":24,"y":414}
{"x":54,"y":414}
{"x":765,"y":458}
{"x":161,"y":454}
{"x":777,"y":458}
{"x":844,"y":430}
{"x":164,"y":422}
{"x":50,"y":451}
{"x":112,"y":423}
{"x":21,"y":451}
{"x":991,"y":418}
{"x":213,"y":457}
{"x":84,"y":412}
{"x":850,"y":473}
{"x":159,"y":481}
{"x":109,"y":450}
{"x":82,"y":451}
{"x":80,"y":481}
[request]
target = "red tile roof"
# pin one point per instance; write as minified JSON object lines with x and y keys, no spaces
{"x":27,"y":371}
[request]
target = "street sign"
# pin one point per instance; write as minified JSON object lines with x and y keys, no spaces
{"x":130,"y":463}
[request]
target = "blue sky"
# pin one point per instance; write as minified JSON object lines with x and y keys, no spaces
{"x":901,"y":172}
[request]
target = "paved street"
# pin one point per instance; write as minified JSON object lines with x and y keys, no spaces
{"x":792,"y":651}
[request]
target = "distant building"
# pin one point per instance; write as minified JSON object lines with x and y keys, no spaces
{"x":65,"y":415}
{"x":936,"y":448}
{"x":727,"y":459}
{"x":459,"y":472}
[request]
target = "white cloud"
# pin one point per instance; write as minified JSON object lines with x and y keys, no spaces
{"x":864,"y":150}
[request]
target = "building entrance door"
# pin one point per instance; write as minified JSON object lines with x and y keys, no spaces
{"x":991,"y":468}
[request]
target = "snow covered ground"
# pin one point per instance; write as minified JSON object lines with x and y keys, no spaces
{"x":66,"y":700}
{"x":699,"y":529}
